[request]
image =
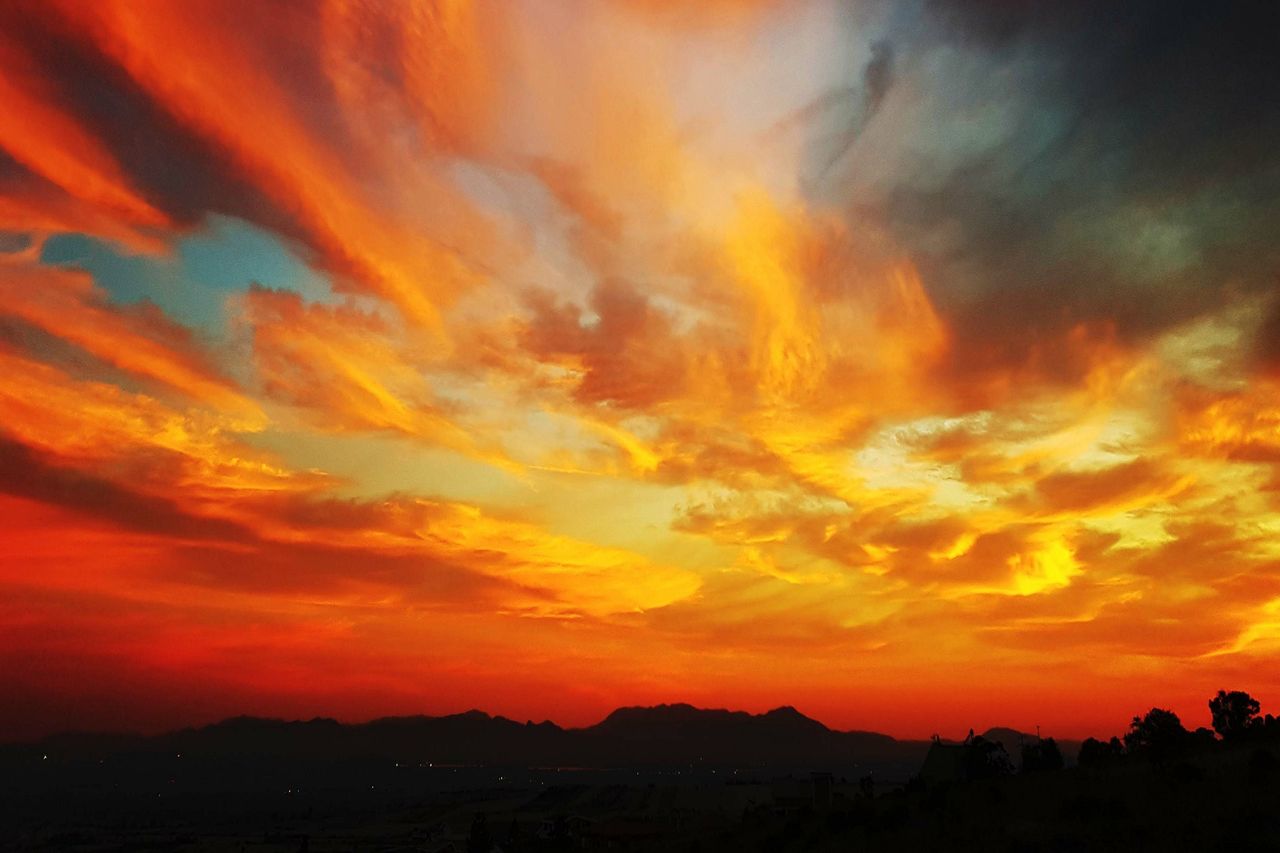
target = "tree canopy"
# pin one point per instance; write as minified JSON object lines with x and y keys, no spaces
{"x":1157,"y":733}
{"x":1233,"y":713}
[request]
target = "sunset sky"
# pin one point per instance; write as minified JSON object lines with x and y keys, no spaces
{"x":916,"y":363}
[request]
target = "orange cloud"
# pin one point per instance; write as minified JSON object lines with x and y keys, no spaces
{"x":1242,"y":425}
{"x":594,"y":397}
{"x":199,"y":62}
{"x":142,"y":341}
{"x":346,"y":365}
{"x":54,"y":144}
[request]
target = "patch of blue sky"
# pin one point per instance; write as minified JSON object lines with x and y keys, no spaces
{"x":193,"y":283}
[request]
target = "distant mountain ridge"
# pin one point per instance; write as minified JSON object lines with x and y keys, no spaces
{"x":655,"y":736}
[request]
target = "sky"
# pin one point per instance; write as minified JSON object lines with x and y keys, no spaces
{"x":915,"y":364}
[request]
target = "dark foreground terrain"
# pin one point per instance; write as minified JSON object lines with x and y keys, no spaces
{"x":259,"y":786}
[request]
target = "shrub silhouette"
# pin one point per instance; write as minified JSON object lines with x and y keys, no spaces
{"x":1042,"y":756}
{"x":1233,"y":713}
{"x":1098,"y":753}
{"x":986,"y":759}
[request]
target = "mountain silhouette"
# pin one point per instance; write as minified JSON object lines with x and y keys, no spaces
{"x":1013,"y":740}
{"x":663,"y":735}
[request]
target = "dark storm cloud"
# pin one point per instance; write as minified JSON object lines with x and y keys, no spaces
{"x":1133,"y":178}
{"x":1267,"y":352}
{"x":173,"y":168}
{"x":835,"y":120}
{"x":877,"y":77}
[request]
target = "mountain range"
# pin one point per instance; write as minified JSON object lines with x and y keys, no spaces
{"x":661,"y":736}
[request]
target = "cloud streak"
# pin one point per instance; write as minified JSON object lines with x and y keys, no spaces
{"x":766,"y":353}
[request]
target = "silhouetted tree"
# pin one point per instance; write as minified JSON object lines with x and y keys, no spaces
{"x":985,"y":759}
{"x":1097,"y":753}
{"x":1233,"y":713}
{"x":1157,"y":734}
{"x":1044,"y":755}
